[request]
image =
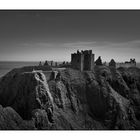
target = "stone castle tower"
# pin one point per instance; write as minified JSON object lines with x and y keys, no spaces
{"x":83,"y":60}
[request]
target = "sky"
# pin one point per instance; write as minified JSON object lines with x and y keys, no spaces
{"x":54,"y":35}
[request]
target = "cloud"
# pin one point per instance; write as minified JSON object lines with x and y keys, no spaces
{"x":84,"y":45}
{"x":80,"y":43}
{"x":57,"y":45}
{"x":36,"y":44}
{"x":128,"y":44}
{"x":35,"y":50}
{"x":103,"y":44}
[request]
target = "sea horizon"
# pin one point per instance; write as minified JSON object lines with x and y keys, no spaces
{"x":6,"y":66}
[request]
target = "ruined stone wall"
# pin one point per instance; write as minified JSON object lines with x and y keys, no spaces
{"x":129,"y":65}
{"x":92,"y":61}
{"x":88,"y":62}
{"x":83,"y":61}
{"x":126,"y":65}
{"x":77,"y":61}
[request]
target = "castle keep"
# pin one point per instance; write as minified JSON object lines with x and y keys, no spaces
{"x":83,"y":60}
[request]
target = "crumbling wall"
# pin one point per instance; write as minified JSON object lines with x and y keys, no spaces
{"x":83,"y":60}
{"x":77,"y":61}
{"x":88,"y":61}
{"x":126,"y":65}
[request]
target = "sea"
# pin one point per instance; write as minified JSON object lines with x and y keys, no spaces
{"x":6,"y":66}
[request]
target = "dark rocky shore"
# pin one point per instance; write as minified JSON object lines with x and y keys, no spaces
{"x":103,"y":99}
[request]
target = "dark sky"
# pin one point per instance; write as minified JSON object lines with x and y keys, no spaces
{"x":54,"y":35}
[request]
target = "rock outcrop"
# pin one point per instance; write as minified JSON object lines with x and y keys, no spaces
{"x":10,"y":120}
{"x":106,"y":98}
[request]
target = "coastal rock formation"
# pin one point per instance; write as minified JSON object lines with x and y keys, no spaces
{"x":106,"y":98}
{"x":131,"y":77}
{"x":10,"y":120}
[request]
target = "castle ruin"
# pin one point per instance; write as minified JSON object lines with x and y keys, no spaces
{"x":83,"y":60}
{"x":127,"y":64}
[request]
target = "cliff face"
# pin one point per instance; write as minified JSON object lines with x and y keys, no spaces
{"x":9,"y":120}
{"x":105,"y":98}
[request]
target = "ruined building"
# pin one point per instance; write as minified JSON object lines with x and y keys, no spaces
{"x":83,"y":60}
{"x":127,"y":64}
{"x":98,"y":62}
{"x":112,"y":63}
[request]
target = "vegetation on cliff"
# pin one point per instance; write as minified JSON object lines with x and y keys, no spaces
{"x":106,"y":98}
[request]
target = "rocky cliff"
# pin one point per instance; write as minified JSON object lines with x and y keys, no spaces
{"x":106,"y":98}
{"x":9,"y":120}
